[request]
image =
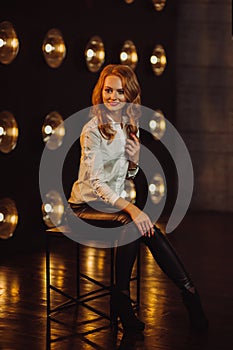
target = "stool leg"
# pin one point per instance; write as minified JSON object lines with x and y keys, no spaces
{"x":138,"y":276}
{"x":47,"y":243}
{"x":112,"y":272}
{"x":112,"y":281}
{"x":77,"y":270}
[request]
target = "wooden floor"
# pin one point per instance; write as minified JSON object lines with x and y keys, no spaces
{"x":204,"y":241}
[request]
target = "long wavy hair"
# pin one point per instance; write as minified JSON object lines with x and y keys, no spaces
{"x":132,"y":93}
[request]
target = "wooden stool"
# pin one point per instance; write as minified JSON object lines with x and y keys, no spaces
{"x":103,"y":290}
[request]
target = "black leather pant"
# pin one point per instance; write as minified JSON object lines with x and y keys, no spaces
{"x":158,"y":244}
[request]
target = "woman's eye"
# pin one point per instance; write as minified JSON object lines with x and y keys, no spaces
{"x":121,"y":92}
{"x":108,"y":91}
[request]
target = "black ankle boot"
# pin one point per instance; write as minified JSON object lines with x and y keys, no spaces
{"x":121,"y":307}
{"x":197,"y":317}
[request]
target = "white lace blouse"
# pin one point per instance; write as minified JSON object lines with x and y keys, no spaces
{"x":103,"y":165}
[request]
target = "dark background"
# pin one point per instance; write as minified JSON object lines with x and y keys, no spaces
{"x":30,"y":89}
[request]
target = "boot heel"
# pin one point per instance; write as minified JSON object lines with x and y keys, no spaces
{"x":113,"y":313}
{"x":196,"y":314}
{"x":121,"y":307}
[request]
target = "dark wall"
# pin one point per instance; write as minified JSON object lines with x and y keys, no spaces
{"x":205,"y":98}
{"x":30,"y":89}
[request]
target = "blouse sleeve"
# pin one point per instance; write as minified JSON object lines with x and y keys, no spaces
{"x":91,"y":156}
{"x":132,"y":173}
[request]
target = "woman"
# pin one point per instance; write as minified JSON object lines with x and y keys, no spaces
{"x":110,"y":154}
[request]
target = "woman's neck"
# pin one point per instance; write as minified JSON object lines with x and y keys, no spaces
{"x":116,"y":116}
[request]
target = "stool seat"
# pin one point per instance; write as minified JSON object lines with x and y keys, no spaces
{"x":63,"y":229}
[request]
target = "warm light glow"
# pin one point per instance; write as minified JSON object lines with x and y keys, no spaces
{"x":90,"y":53}
{"x":49,"y":48}
{"x":158,"y":60}
{"x":48,"y":208}
{"x":94,"y":54}
{"x":14,"y":132}
{"x":48,"y":129}
{"x":123,"y":56}
{"x":53,"y":130}
{"x":134,"y":57}
{"x":14,"y":43}
{"x":101,"y":55}
{"x":159,"y":4}
{"x":132,"y":194}
{"x":9,"y":290}
{"x":8,"y":132}
{"x":8,"y":218}
{"x":129,"y":193}
{"x":52,"y":209}
{"x":163,"y":60}
{"x":152,"y":124}
{"x":1,"y":217}
{"x":153,"y":282}
{"x":128,"y":54}
{"x":54,"y":48}
{"x":2,"y":131}
{"x":9,"y":43}
{"x":2,"y":42}
{"x":157,"y":188}
{"x":13,"y":219}
{"x":57,"y":270}
{"x":61,"y":48}
{"x":154,"y":59}
{"x":95,"y":259}
{"x":152,"y":188}
{"x":157,"y":124}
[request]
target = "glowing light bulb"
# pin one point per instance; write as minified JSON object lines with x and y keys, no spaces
{"x":123,"y":56}
{"x":14,"y":219}
{"x":152,"y":188}
{"x":48,"y":129}
{"x":2,"y":42}
{"x":157,"y":124}
{"x":2,"y":131}
{"x":49,"y":48}
{"x":157,"y":189}
{"x":14,"y":43}
{"x":154,"y":59}
{"x":134,"y":57}
{"x":152,"y":124}
{"x":90,"y":53}
{"x":1,"y":217}
{"x":48,"y":208}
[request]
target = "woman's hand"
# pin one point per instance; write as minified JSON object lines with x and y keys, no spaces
{"x":132,"y":149}
{"x":142,"y":221}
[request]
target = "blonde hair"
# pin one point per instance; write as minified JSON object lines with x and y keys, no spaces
{"x":132,"y":93}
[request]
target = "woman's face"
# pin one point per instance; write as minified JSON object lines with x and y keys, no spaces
{"x":113,"y":94}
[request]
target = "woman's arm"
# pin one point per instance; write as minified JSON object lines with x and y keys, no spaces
{"x":132,"y":149}
{"x":141,"y":219}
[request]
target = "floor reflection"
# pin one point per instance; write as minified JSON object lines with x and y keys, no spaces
{"x":206,"y":253}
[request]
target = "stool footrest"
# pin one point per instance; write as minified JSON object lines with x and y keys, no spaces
{"x":97,"y":291}
{"x":96,"y":311}
{"x":80,"y":300}
{"x":62,"y":293}
{"x":62,"y":306}
{"x":94,"y":281}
